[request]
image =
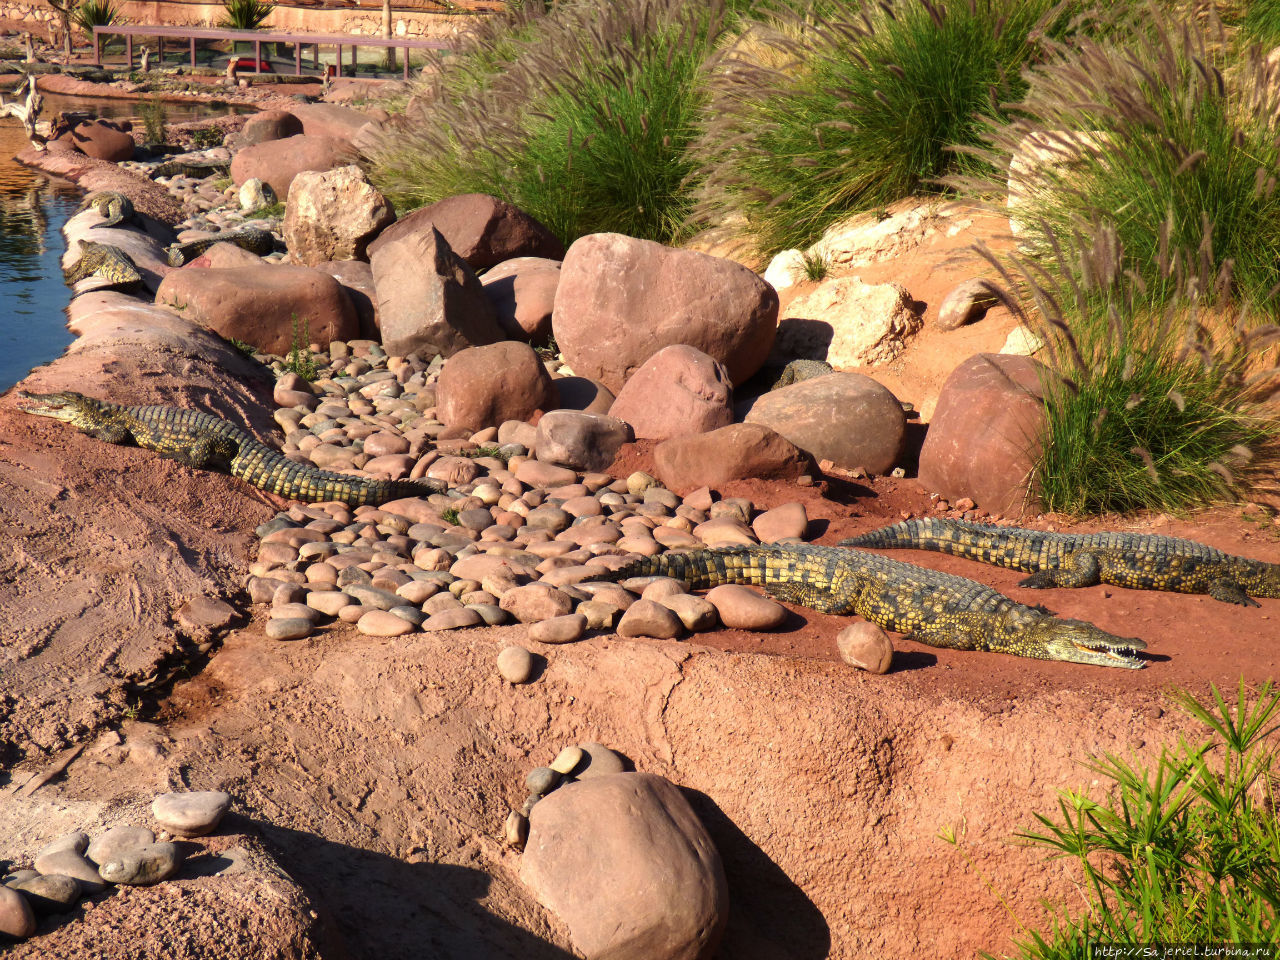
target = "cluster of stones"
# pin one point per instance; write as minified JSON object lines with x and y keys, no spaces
{"x":570,"y":765}
{"x":75,"y":866}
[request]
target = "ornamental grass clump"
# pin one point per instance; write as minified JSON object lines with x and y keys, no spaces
{"x":586,"y":128}
{"x":860,"y":107}
{"x":1155,"y":400}
{"x":1182,"y":851}
{"x":1151,"y":138}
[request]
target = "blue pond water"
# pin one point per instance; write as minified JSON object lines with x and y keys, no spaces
{"x":33,"y":208}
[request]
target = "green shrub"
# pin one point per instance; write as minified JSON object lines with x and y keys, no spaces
{"x":94,"y":13}
{"x":586,"y":129}
{"x":860,"y":108}
{"x":246,"y":14}
{"x":1158,"y":403}
{"x":1153,"y":139}
{"x":207,"y":137}
{"x":154,"y":118}
{"x":1185,"y":851}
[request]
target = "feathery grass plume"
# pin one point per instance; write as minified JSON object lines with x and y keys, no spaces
{"x":858,"y":107}
{"x":1258,"y":22}
{"x":586,"y":128}
{"x":1149,"y":136}
{"x":1183,"y":850}
{"x":1157,"y":400}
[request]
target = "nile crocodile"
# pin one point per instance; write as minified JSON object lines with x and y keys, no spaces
{"x":938,"y":609}
{"x":1141,"y":561}
{"x":105,"y":261}
{"x":114,"y":208}
{"x":198,"y":439}
{"x":253,"y":239}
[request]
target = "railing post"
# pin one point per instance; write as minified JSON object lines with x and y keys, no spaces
{"x":160,"y":55}
{"x":257,"y":56}
{"x":128,"y":51}
{"x":405,"y":57}
{"x":193,"y":53}
{"x":354,"y":71}
{"x":338,"y":71}
{"x":297,"y":59}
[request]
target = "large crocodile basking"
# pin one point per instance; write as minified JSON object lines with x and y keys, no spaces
{"x":253,"y":239}
{"x":104,"y":261}
{"x":114,"y":207}
{"x":938,"y":609}
{"x":198,"y":439}
{"x":1141,"y":561}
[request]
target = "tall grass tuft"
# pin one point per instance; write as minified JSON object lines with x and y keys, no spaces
{"x":860,"y":107}
{"x":1184,"y":851}
{"x":1157,"y":400}
{"x":246,"y":14}
{"x":586,"y":125}
{"x":95,"y":13}
{"x":1151,"y":138}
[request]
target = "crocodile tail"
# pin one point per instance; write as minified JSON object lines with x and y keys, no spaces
{"x":909,"y":533}
{"x":700,"y":569}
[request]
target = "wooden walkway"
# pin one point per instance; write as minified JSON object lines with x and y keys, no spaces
{"x":258,"y":38}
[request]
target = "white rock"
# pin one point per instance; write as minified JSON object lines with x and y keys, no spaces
{"x":785,"y":270}
{"x":849,"y":323}
{"x":1022,"y":342}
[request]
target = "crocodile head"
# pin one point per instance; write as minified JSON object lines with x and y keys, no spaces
{"x":66,"y":405}
{"x":1079,"y":642}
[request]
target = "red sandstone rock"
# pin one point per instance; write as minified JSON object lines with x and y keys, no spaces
{"x":734,"y":452}
{"x":277,"y":162}
{"x":621,"y":300}
{"x":985,"y":435}
{"x":100,"y":139}
{"x":624,"y":861}
{"x":481,"y":229}
{"x":485,"y":386}
{"x":582,"y":441}
{"x":356,"y":278}
{"x":846,"y":418}
{"x":259,"y":304}
{"x":579,"y":393}
{"x":679,"y":390}
{"x":523,"y":292}
{"x":269,"y":125}
{"x":429,"y":300}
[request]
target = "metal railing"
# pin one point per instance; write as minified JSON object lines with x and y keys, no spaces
{"x":258,"y":38}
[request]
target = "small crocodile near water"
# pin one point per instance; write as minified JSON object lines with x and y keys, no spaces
{"x":198,"y":439}
{"x":104,"y":261}
{"x":938,"y":609}
{"x":252,"y":239}
{"x":114,"y":208}
{"x":1140,"y":561}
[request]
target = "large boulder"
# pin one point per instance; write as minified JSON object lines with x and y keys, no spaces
{"x":329,"y":120}
{"x":277,"y":162}
{"x":356,"y":278}
{"x":846,"y":418}
{"x":486,"y":386}
{"x":481,"y":229}
{"x":736,"y":452}
{"x":429,"y":300}
{"x":523,"y":292}
{"x":583,"y":441}
{"x":100,"y":139}
{"x":985,"y":436}
{"x":333,"y":214}
{"x":269,"y":125}
{"x":624,"y":861}
{"x":849,"y":323}
{"x":621,"y":300}
{"x":679,"y":390}
{"x":269,"y":306}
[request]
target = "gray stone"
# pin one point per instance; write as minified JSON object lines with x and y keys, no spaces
{"x":600,"y":761}
{"x":53,"y":893}
{"x":191,"y":814}
{"x":515,"y":664}
{"x":71,"y":864}
{"x":144,"y":866}
{"x":289,"y":628}
{"x":117,"y":841}
{"x":542,"y":780}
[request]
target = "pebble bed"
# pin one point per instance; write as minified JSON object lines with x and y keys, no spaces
{"x":513,"y":539}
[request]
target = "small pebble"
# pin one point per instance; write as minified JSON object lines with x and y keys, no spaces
{"x":53,"y":893}
{"x":192,"y":814}
{"x":147,"y":865}
{"x":648,"y":618}
{"x":542,"y":780}
{"x":516,"y":830}
{"x":515,"y":664}
{"x":740,"y":608}
{"x":16,"y":916}
{"x":865,"y":646}
{"x":384,"y":623}
{"x":567,"y":760}
{"x":564,"y":629}
{"x":289,"y":628}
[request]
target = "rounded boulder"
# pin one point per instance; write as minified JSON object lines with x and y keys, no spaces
{"x":679,"y":390}
{"x":485,"y":386}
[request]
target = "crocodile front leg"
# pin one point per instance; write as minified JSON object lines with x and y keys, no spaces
{"x":1078,"y":569}
{"x":1228,"y":591}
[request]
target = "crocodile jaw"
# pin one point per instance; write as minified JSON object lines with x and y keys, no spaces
{"x":1079,"y":642}
{"x":58,"y":406}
